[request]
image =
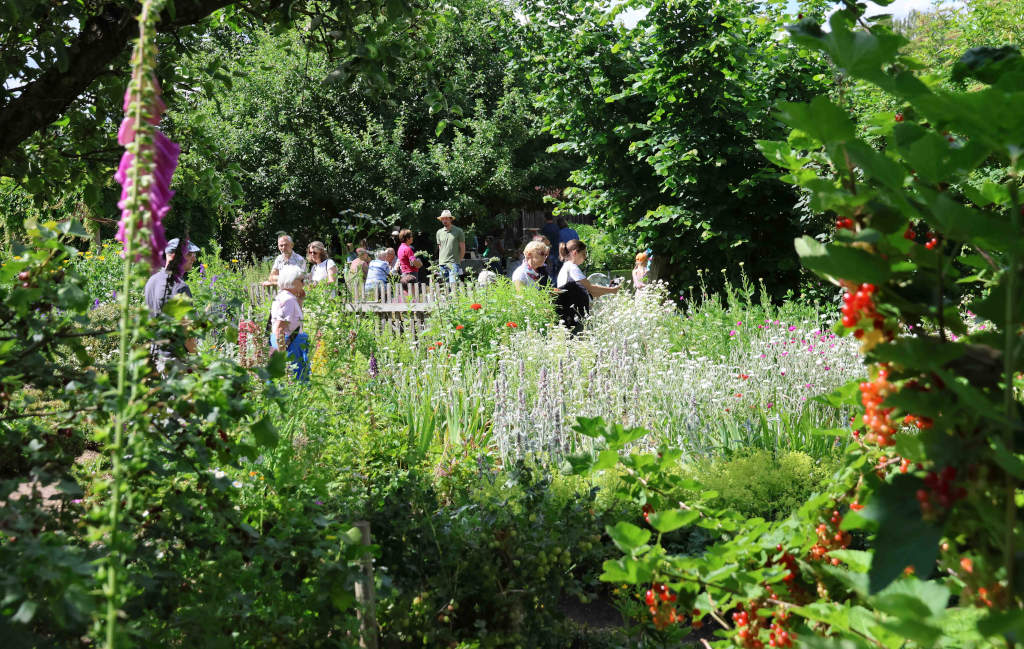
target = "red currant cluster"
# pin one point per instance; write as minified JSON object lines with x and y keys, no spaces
{"x":844,"y":224}
{"x":647,"y":510}
{"x":778,"y":634}
{"x":876,"y":418}
{"x":748,"y":627}
{"x":859,"y":306}
{"x":899,"y":117}
{"x":941,"y":491}
{"x":790,"y":578}
{"x":661,"y":603}
{"x":931,"y":239}
{"x":830,"y":537}
{"x":922,"y":423}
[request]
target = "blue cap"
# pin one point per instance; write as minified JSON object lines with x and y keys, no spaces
{"x":172,"y":245}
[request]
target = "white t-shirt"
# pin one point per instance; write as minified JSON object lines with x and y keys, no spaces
{"x":295,"y":260}
{"x":570,"y":271}
{"x":320,"y":270}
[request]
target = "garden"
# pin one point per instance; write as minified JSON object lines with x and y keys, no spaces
{"x":806,"y":431}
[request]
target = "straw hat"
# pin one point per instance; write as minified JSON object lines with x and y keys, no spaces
{"x":446,"y":214}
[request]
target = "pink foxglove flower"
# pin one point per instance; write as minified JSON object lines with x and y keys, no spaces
{"x":156,"y":157}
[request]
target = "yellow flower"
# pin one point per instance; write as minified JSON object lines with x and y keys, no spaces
{"x":102,"y":258}
{"x":80,"y":253}
{"x":234,"y":261}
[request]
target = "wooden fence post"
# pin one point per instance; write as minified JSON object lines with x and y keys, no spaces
{"x":366,"y":595}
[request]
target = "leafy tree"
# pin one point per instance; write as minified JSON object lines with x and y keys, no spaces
{"x":294,"y":153}
{"x":60,"y":102}
{"x":665,"y":117}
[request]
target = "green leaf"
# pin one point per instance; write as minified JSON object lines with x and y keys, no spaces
{"x":1005,"y":623}
{"x":606,"y":459}
{"x":625,"y":570}
{"x":857,"y":560}
{"x":26,"y":612}
{"x":265,"y":433}
{"x":913,"y":598}
{"x":178,"y":306}
{"x":903,"y":538}
{"x":627,"y":536}
{"x":844,"y":395}
{"x":821,"y":119}
{"x":987,"y":64}
{"x":672,"y":519}
{"x":925,"y":354}
{"x":580,"y":464}
{"x":277,"y":365}
{"x":342,"y":599}
{"x":439,"y":129}
{"x":841,"y":261}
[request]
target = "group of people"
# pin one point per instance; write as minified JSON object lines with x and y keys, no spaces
{"x":574,"y":290}
{"x":544,"y":263}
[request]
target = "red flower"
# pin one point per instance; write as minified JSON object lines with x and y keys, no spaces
{"x":511,"y":324}
{"x":476,"y":306}
{"x":459,"y":327}
{"x":430,"y":348}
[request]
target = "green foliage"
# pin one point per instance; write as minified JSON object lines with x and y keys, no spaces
{"x":663,"y":119}
{"x":934,"y":480}
{"x":607,"y":249}
{"x":763,"y":484}
{"x":479,"y":319}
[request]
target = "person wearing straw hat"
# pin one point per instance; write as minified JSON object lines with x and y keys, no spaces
{"x":451,"y":248}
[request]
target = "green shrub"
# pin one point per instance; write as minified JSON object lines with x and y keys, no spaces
{"x":762,"y":483}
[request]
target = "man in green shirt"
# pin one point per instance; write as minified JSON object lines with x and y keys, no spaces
{"x":451,"y":248}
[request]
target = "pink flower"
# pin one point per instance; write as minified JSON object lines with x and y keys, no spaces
{"x":158,"y":160}
{"x":739,"y":324}
{"x":792,"y":327}
{"x":732,"y":333}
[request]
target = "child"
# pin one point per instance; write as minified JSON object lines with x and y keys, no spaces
{"x":640,"y":270}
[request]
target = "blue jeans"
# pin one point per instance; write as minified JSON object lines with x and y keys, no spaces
{"x":298,"y":354}
{"x":450,"y":272}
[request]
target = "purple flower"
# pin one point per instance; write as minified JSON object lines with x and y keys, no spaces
{"x":373,"y":366}
{"x":318,"y":501}
{"x":96,"y":303}
{"x":158,"y":158}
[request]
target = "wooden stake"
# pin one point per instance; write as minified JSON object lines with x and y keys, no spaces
{"x":366,"y":595}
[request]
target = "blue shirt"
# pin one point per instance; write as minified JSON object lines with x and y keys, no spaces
{"x":566,"y":235}
{"x":377,"y":273}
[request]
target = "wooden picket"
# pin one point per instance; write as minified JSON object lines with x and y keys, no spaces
{"x":397,"y":307}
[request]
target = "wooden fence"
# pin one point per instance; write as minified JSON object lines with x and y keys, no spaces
{"x":397,"y":308}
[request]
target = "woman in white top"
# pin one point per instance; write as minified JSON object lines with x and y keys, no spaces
{"x":574,"y":254}
{"x":535,"y":256}
{"x":323,"y":267}
{"x":286,"y":321}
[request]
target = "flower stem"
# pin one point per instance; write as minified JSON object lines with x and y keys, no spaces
{"x":125,"y":395}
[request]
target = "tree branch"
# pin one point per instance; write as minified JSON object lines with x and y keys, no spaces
{"x":103,"y":38}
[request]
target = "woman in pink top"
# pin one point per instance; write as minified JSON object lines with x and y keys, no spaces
{"x":408,"y":263}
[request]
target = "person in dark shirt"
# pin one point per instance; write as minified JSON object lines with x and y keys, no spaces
{"x":550,"y":232}
{"x":168,"y":282}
